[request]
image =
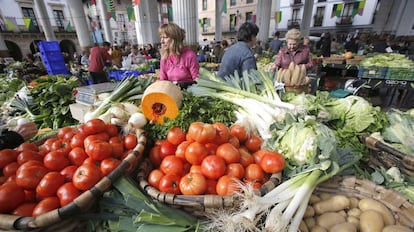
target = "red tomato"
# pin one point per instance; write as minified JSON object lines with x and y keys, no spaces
{"x":96,"y":137}
{"x":86,"y":176}
{"x":117,"y":149}
{"x":227,"y":185}
{"x":222,"y":133}
{"x":234,"y":141}
{"x":213,"y":167}
{"x":211,"y":148}
{"x":195,"y":169}
{"x":108,"y":165}
{"x":30,"y":195}
{"x":258,"y":155}
{"x":130,"y":141}
{"x":111,"y":130}
{"x":67,"y":193}
{"x":68,"y":172}
{"x":211,"y":187}
{"x":235,"y":170}
{"x":77,"y":155}
{"x":155,"y":156}
{"x":77,"y":140}
{"x":172,"y":165}
{"x":24,"y":210}
{"x":239,"y":132}
{"x":94,"y":126}
{"x":169,"y":183}
{"x":154,"y":177}
{"x":10,"y":169}
{"x":254,"y":172}
{"x":29,"y":177}
{"x":11,"y":196}
{"x":27,"y":155}
{"x":27,"y":146}
{"x":99,"y":150}
{"x":202,"y":132}
{"x":253,"y":143}
{"x":167,"y":149}
{"x":49,"y":184}
{"x":229,"y":153}
{"x":176,"y":135}
{"x":65,"y":130}
{"x":273,"y":162}
{"x":55,"y":161}
{"x":193,"y":184}
{"x":30,"y":163}
{"x":7,"y":156}
{"x":47,"y":145}
{"x":245,"y":157}
{"x":46,"y":205}
{"x":92,"y":161}
{"x":195,"y":153}
{"x":180,"y":150}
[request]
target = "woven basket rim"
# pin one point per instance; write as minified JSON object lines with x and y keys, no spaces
{"x":195,"y":202}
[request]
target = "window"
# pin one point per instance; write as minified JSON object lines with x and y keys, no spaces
{"x":321,"y":0}
{"x":295,"y":14}
{"x":319,"y":16}
{"x":348,"y":9}
{"x":249,"y":1}
{"x":233,"y":22}
{"x":59,"y":18}
{"x":249,"y":17}
{"x":204,"y":4}
{"x":121,"y":22}
{"x":124,"y":37}
{"x":297,"y":2}
{"x":232,"y":2}
{"x":29,"y":13}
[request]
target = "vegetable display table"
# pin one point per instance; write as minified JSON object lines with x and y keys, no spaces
{"x":121,"y":74}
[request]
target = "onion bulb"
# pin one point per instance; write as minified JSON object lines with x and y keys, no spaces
{"x":137,"y":120}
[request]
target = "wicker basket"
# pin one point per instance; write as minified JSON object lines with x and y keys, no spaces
{"x":197,"y":205}
{"x":62,"y":219}
{"x":351,"y":186}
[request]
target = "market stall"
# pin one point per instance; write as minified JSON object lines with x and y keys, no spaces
{"x":226,"y":155}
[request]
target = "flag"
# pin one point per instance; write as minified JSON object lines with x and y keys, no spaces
{"x":136,"y":2}
{"x":361,"y":7}
{"x":355,"y":9}
{"x":339,"y":10}
{"x":11,"y":24}
{"x":278,"y":16}
{"x":92,"y":2}
{"x":233,"y":20}
{"x":111,"y":9}
{"x":69,"y":26}
{"x":130,"y":12}
{"x":224,"y":7}
{"x":28,"y":22}
{"x":254,"y":18}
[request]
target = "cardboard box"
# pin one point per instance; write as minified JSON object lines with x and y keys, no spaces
{"x":78,"y":111}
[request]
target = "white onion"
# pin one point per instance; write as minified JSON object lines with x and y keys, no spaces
{"x":21,"y":121}
{"x":137,"y":120}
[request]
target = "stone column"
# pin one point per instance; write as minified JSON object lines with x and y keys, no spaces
{"x":44,"y":20}
{"x":306,"y":18}
{"x":218,"y":33}
{"x":147,"y":22}
{"x":263,"y":12}
{"x":185,"y":14}
{"x":103,"y":13}
{"x":4,"y":52}
{"x":79,"y":21}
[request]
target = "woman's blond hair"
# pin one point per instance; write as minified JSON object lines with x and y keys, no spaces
{"x":293,"y":34}
{"x":177,"y":35}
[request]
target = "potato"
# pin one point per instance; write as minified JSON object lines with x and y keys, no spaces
{"x":329,"y":219}
{"x":310,"y":222}
{"x":343,"y":213}
{"x":314,"y":198}
{"x":353,"y":220}
{"x":396,"y":228}
{"x":333,"y":204}
{"x":344,"y":227}
{"x":317,"y":228}
{"x":325,"y":196}
{"x":310,"y":212}
{"x":371,"y":204}
{"x":371,"y":221}
{"x":354,"y":212}
{"x":353,"y":202}
{"x":303,"y":227}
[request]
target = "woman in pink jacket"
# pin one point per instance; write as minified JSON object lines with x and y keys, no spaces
{"x":178,"y":64}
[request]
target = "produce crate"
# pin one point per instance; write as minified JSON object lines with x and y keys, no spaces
{"x":121,"y":74}
{"x":52,"y":58}
{"x":66,"y":218}
{"x":402,"y":74}
{"x":374,"y":72}
{"x":196,"y":205}
{"x":333,"y":60}
{"x":88,"y":95}
{"x":398,"y":205}
{"x":49,"y":46}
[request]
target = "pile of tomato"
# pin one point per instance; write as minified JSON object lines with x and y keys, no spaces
{"x":211,"y":159}
{"x":37,"y":179}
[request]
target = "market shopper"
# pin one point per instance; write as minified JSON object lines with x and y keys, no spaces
{"x":98,"y":59}
{"x":12,"y":138}
{"x":276,"y":43}
{"x":294,"y":52}
{"x":135,"y":57}
{"x":116,"y":56}
{"x":178,"y":64}
{"x":239,"y":57}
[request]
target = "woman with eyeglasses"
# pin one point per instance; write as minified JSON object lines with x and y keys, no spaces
{"x":178,"y":63}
